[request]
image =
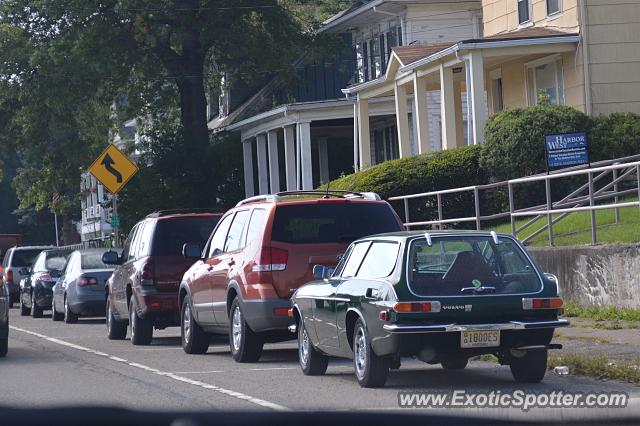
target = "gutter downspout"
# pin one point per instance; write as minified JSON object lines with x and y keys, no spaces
{"x":585,"y":57}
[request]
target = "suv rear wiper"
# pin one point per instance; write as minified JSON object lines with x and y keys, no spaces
{"x":481,"y":289}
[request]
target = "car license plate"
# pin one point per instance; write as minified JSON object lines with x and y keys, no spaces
{"x":479,"y":339}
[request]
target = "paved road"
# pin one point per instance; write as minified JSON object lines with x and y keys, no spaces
{"x":54,"y":364}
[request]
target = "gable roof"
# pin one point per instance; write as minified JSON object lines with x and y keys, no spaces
{"x":411,"y":53}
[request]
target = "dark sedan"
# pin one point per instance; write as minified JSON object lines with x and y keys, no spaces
{"x":442,"y":297}
{"x":80,"y":289}
{"x":36,"y":289}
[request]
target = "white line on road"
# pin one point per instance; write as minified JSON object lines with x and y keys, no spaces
{"x":173,"y":376}
{"x":236,"y":371}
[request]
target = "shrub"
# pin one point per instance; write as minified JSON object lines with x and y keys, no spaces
{"x":615,"y":135}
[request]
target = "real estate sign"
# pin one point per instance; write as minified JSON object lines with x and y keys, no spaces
{"x":567,"y":150}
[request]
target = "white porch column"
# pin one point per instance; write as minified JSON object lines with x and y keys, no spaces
{"x":247,"y":154}
{"x":356,"y":149}
{"x":290,"y":157}
{"x":304,"y":145}
{"x":364,"y":136}
{"x":263,"y":168}
{"x":421,"y":113}
{"x":447,"y":107}
{"x":323,"y":160}
{"x":274,"y":166}
{"x":476,"y":65}
{"x":402,"y":121}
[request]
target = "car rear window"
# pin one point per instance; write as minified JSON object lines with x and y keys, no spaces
{"x":172,"y":234}
{"x":56,"y":262}
{"x":93,"y":261}
{"x":22,"y":258}
{"x":331,"y":222}
{"x":470,"y":265}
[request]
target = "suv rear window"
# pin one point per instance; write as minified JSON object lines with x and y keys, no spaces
{"x":470,"y":265}
{"x":22,"y":258}
{"x":172,"y":234}
{"x":331,"y":222}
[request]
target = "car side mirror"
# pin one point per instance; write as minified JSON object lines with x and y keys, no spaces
{"x":192,"y":251}
{"x":110,"y":258}
{"x":321,"y":272}
{"x":24,"y":271}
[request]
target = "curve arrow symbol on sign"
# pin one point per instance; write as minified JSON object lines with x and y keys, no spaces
{"x":108,"y":162}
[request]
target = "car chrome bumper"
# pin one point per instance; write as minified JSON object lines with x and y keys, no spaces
{"x":451,"y":328}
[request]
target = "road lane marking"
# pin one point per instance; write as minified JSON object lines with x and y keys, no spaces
{"x":174,"y":376}
{"x":236,"y":371}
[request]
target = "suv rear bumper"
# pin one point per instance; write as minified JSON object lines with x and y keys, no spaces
{"x":162,"y":307}
{"x":261,"y":316}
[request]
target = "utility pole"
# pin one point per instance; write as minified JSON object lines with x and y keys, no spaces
{"x":116,"y":222}
{"x":55,"y":221}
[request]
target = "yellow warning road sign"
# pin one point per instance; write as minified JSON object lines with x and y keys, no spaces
{"x":113,"y":169}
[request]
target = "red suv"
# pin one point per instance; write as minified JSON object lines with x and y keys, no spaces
{"x":143,"y":289}
{"x":259,"y":254}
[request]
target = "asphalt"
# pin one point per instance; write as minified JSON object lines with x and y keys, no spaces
{"x":53,"y":364}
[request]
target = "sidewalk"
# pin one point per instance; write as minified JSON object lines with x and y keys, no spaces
{"x":582,"y":339}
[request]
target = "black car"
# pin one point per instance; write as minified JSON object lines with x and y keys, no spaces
{"x":36,"y":290}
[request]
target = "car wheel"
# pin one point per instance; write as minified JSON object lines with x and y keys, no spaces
{"x":69,"y":316}
{"x":116,"y":330}
{"x":24,"y":310}
{"x":312,"y":362}
{"x":530,"y":368}
{"x":371,"y":370}
{"x":55,"y":315}
{"x":194,"y":339}
{"x":246,"y":345}
{"x":11,"y":303}
{"x":36,"y":311}
{"x":4,"y":346}
{"x":141,"y":328}
{"x":455,"y":364}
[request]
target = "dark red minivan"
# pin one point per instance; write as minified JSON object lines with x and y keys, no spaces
{"x":143,"y":289}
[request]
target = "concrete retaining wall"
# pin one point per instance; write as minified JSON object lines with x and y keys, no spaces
{"x":601,"y":275}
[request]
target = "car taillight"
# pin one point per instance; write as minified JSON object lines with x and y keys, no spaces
{"x":271,"y":259}
{"x":83,"y":281}
{"x":547,"y":303}
{"x":281,"y":311}
{"x":147,"y":277}
{"x":414,"y":307}
{"x":45,"y":277}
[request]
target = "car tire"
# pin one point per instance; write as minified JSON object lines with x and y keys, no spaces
{"x":36,"y":311}
{"x":371,"y":370}
{"x":69,"y":316}
{"x":116,"y":329}
{"x":55,"y":315}
{"x":11,"y":303}
{"x":312,"y":362}
{"x":245,"y":344}
{"x":24,"y":311}
{"x":4,"y":346}
{"x":530,"y":368}
{"x":194,"y":339}
{"x":455,"y":364}
{"x":141,"y":328}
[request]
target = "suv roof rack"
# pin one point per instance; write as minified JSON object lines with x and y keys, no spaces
{"x":161,"y":213}
{"x":337,"y":193}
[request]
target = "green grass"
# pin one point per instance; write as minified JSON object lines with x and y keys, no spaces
{"x":598,"y":367}
{"x":575,"y":229}
{"x":601,"y":313}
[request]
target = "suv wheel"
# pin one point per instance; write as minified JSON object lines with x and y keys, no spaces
{"x":36,"y":311}
{"x":69,"y":316}
{"x":530,"y":368}
{"x":371,"y":370}
{"x":141,"y":328}
{"x":24,"y":311}
{"x":312,"y":362}
{"x":54,"y":313}
{"x":116,"y":330}
{"x":246,"y":345}
{"x":194,"y":339}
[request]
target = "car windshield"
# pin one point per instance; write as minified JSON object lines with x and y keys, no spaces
{"x":331,"y":222}
{"x":93,"y":260}
{"x":470,"y":265}
{"x":172,"y":234}
{"x":24,"y":258}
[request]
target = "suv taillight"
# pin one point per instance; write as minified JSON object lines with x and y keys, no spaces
{"x":271,"y":259}
{"x":147,"y":277}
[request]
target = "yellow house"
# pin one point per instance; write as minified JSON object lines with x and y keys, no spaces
{"x":581,"y":53}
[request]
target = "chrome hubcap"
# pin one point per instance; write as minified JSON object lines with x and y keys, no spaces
{"x":236,"y":328}
{"x":186,"y":323}
{"x":303,"y":350}
{"x":360,"y":352}
{"x":133,"y":327}
{"x":108,"y":317}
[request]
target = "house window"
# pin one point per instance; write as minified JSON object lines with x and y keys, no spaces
{"x":524,"y":11}
{"x":545,"y":82}
{"x":497,"y":99}
{"x":372,"y":54}
{"x":553,"y":7}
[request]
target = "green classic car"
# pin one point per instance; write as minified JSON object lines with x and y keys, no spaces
{"x":440,"y":296}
